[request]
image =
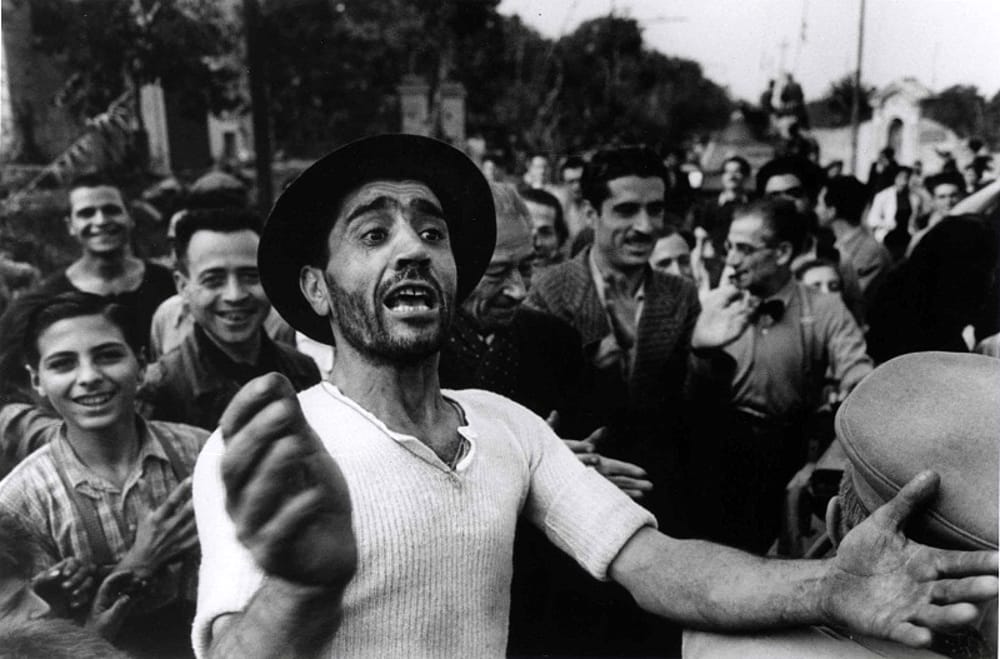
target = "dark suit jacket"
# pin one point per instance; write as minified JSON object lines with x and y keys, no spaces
{"x":663,"y":339}
{"x":550,"y":366}
{"x":647,"y":427}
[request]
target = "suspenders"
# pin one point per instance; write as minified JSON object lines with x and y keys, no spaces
{"x":86,"y":508}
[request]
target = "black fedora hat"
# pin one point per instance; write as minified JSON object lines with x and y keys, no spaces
{"x":298,"y":227}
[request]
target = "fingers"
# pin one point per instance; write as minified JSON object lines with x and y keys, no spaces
{"x":966,"y":563}
{"x":579,"y":447}
{"x":631,"y":486}
{"x":910,"y":634}
{"x":894,"y":513}
{"x":553,"y":420}
{"x":946,"y":618}
{"x":177,"y":499}
{"x":252,"y":398}
{"x":111,"y":587}
{"x":612,"y":467}
{"x":597,"y":436}
{"x":265,"y":491}
{"x":251,"y":441}
{"x":969,"y":589}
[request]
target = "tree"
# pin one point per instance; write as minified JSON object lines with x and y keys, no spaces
{"x":108,"y":46}
{"x":960,"y":108}
{"x":839,"y":101}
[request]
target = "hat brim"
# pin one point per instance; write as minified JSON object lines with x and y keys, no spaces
{"x":298,"y":226}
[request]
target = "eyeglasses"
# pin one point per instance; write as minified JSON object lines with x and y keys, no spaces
{"x":796,"y":192}
{"x":745,"y":249}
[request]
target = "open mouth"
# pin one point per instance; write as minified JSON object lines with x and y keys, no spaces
{"x":94,"y":400}
{"x":110,"y":230}
{"x":411,"y":298}
{"x":235,"y":316}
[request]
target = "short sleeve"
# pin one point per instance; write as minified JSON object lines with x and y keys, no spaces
{"x":579,"y":510}
{"x":228,"y":577}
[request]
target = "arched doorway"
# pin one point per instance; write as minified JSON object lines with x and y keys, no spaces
{"x":894,"y":139}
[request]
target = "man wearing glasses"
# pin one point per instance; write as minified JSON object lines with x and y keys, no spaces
{"x":769,"y":379}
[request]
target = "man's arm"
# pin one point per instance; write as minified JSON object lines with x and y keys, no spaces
{"x":282,"y":620}
{"x":879,"y":584}
{"x":290,"y":506}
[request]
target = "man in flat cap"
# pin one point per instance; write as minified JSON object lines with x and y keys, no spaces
{"x":374,"y":513}
{"x":945,"y":415}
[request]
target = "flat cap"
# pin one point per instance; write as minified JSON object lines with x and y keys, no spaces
{"x":930,"y":410}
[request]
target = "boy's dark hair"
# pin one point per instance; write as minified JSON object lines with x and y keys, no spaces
{"x":544,"y":198}
{"x":572,"y":162}
{"x":945,"y":178}
{"x":741,"y":161}
{"x":808,"y":173}
{"x":609,"y":164}
{"x":848,"y":195}
{"x":220,"y":220}
{"x":92,"y":180}
{"x":48,"y":311}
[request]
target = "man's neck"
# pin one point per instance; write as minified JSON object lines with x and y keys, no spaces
{"x":405,"y":397}
{"x":109,"y":452}
{"x":633,"y":276}
{"x":246,"y":352}
{"x":774,"y":286}
{"x":106,"y":266}
{"x":734,"y":194}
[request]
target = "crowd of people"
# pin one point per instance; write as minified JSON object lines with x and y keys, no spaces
{"x":423,"y":411}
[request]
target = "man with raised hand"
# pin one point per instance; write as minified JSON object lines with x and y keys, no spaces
{"x":371,"y":249}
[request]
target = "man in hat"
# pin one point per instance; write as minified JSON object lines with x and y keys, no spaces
{"x":945,"y":414}
{"x":374,"y":514}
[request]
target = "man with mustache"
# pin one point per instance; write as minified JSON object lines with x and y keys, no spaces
{"x":374,"y":514}
{"x":217,"y":277}
{"x":751,"y":431}
{"x":637,"y":325}
{"x":100,"y":221}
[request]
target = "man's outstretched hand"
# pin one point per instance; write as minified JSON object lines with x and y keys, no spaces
{"x":883,"y":584}
{"x":284,"y":492}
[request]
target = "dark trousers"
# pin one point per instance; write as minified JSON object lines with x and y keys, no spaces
{"x":742,"y":467}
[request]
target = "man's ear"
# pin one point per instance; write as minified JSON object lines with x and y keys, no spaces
{"x":180,"y":281}
{"x":33,"y":379}
{"x":313,"y":287}
{"x":785,"y":254}
{"x":833,"y":515}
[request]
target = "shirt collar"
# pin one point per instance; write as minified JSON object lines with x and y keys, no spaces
{"x":78,"y":473}
{"x":598,"y":277}
{"x":224,"y":363}
{"x":785,"y":293}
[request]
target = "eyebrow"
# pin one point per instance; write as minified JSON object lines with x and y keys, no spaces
{"x":386,"y":203}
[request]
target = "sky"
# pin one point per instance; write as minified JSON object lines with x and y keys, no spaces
{"x":739,"y":42}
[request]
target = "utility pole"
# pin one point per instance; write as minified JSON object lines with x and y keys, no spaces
{"x":856,"y":96}
{"x":258,"y":105}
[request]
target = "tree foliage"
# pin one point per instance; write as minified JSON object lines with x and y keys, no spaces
{"x":333,"y":70}
{"x":839,"y":101}
{"x":108,"y":45}
{"x":963,"y":109}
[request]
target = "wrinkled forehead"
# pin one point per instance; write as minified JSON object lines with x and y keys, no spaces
{"x":389,"y":192}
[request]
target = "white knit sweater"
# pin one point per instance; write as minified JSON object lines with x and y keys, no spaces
{"x":435,"y":543}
